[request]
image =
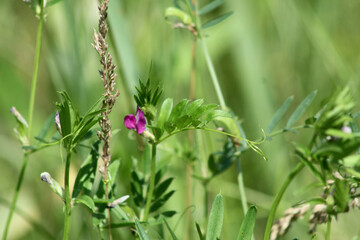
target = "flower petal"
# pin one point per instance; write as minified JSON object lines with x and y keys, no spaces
{"x":140,"y":121}
{"x":130,"y":121}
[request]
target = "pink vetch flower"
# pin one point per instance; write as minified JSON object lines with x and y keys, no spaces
{"x":137,"y":122}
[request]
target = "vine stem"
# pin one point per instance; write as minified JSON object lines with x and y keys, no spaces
{"x":67,"y":219}
{"x":213,"y":74}
{"x":278,"y":198}
{"x":152,"y":182}
{"x":328,"y":229}
{"x":241,"y":187}
{"x":30,"y":119}
{"x":16,"y":194}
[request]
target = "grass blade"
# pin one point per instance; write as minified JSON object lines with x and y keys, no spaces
{"x":171,"y":231}
{"x":216,"y":20}
{"x":198,"y":230}
{"x":300,"y":109}
{"x":140,"y":230}
{"x":211,"y":6}
{"x":248,"y":224}
{"x":216,"y":219}
{"x":278,"y":115}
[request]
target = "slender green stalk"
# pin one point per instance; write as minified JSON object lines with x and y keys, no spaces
{"x":16,"y":194}
{"x":328,"y":229}
{"x":206,"y":202}
{"x":30,"y":119}
{"x":242,"y":190}
{"x":241,"y":187}
{"x":36,"y":71}
{"x":152,"y":183}
{"x":278,"y":197}
{"x":67,"y":219}
{"x":213,"y":74}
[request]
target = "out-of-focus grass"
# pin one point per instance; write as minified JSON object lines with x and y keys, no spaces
{"x":267,"y":51}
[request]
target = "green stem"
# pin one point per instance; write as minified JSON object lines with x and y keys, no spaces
{"x":16,"y":194}
{"x":36,"y":71}
{"x":212,"y":73}
{"x":328,"y":229}
{"x":152,"y":183}
{"x":206,"y":202}
{"x":241,"y":187}
{"x":278,"y":197}
{"x":67,"y":219}
{"x":30,"y":118}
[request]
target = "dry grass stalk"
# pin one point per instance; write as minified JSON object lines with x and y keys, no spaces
{"x":108,"y":76}
{"x":110,"y":94}
{"x":283,"y":224}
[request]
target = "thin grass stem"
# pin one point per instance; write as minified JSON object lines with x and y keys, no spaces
{"x":67,"y":219}
{"x":16,"y":194}
{"x":278,"y":198}
{"x":30,"y":119}
{"x":214,"y":78}
{"x":152,"y":183}
{"x":328,"y":229}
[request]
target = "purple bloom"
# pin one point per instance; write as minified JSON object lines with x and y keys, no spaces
{"x":136,"y":122}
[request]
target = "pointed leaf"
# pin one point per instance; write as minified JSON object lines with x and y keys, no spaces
{"x":164,"y":113}
{"x":278,"y":115}
{"x":86,"y":175}
{"x":300,"y":109}
{"x":178,"y":110}
{"x":248,"y":224}
{"x":198,"y":230}
{"x":51,"y":2}
{"x":217,"y":20}
{"x":204,"y":109}
{"x":47,"y":126}
{"x":140,"y":230}
{"x":113,"y":170}
{"x":211,"y":6}
{"x":216,"y":218}
{"x":341,"y":194}
{"x":193,"y":106}
{"x":171,"y":231}
{"x":162,"y":187}
{"x":87,"y":201}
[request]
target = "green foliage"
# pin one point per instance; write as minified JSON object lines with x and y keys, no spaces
{"x":86,"y":175}
{"x":248,"y":224}
{"x":138,"y":186}
{"x":220,"y":161}
{"x":147,"y":98}
{"x":187,"y":18}
{"x":20,"y":130}
{"x":212,"y":5}
{"x":216,"y":20}
{"x":188,"y":114}
{"x":87,"y":201}
{"x":300,"y":110}
{"x":140,"y":230}
{"x":73,"y":126}
{"x":175,"y":15}
{"x":53,"y":184}
{"x":36,"y":5}
{"x":198,"y":230}
{"x":173,"y":236}
{"x":336,"y":113}
{"x":278,"y":115}
{"x":216,"y":218}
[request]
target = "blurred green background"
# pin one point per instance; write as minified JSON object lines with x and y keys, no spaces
{"x":265,"y":52}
